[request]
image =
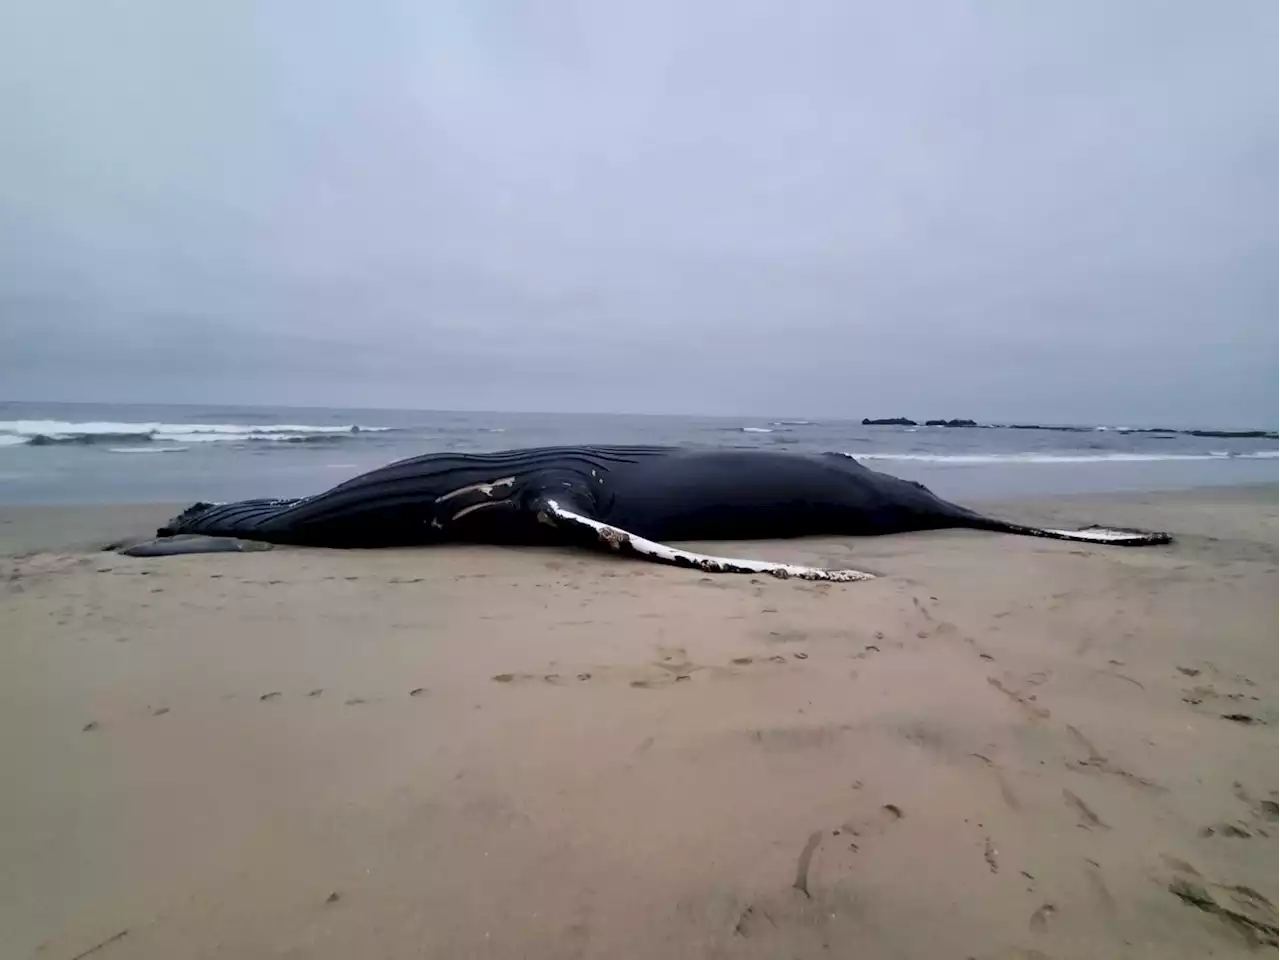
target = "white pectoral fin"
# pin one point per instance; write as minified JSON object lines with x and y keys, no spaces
{"x":622,"y":540}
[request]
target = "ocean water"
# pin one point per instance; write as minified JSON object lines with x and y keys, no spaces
{"x":107,"y":453}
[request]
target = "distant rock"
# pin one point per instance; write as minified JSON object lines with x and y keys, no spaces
{"x":1235,"y":434}
{"x":1165,"y":431}
{"x":1155,"y":433}
{"x":86,"y":439}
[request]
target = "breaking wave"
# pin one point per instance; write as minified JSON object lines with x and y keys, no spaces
{"x":154,"y":448}
{"x":62,"y":432}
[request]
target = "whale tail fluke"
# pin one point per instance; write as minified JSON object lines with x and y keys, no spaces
{"x":1112,"y":536}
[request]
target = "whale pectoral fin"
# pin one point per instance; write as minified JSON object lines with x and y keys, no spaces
{"x":615,"y":538}
{"x":184,"y":544}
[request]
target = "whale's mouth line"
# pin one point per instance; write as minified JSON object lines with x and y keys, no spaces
{"x":616,"y":538}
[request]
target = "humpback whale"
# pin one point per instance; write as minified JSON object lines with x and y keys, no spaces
{"x":634,"y":500}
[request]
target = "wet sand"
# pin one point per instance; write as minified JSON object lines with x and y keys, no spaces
{"x":1002,"y":748}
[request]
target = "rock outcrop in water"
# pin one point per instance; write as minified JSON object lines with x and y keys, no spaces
{"x":1234,"y":434}
{"x":1159,"y":431}
{"x":86,"y":439}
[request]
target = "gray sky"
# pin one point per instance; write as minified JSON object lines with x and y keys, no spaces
{"x":1060,"y":210}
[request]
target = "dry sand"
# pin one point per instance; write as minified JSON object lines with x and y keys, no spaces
{"x":1003,"y":748}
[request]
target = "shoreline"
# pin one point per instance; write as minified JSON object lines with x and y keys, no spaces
{"x":159,"y":454}
{"x":1002,"y":746}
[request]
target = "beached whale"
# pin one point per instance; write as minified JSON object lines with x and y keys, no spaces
{"x":632,"y":500}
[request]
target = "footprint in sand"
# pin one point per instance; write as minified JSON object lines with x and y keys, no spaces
{"x":862,"y":829}
{"x":841,"y":847}
{"x":670,"y":666}
{"x":1087,"y":817}
{"x":1245,"y":913}
{"x":1106,"y":903}
{"x":872,"y":824}
{"x":1039,"y":922}
{"x":1238,"y":831}
{"x":549,"y":679}
{"x":786,"y":636}
{"x":1006,"y":790}
{"x":673,"y":666}
{"x":921,"y":609}
{"x":1025,"y":702}
{"x":775,"y":658}
{"x":1094,"y":760}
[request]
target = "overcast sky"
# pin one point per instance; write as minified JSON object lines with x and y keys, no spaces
{"x":1062,"y":210}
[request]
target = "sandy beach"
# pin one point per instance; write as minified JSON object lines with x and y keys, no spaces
{"x":1001,"y":748}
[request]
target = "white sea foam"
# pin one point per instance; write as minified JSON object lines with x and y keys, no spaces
{"x":148,"y":449}
{"x":23,"y":431}
{"x":756,"y":430}
{"x":197,"y":436}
